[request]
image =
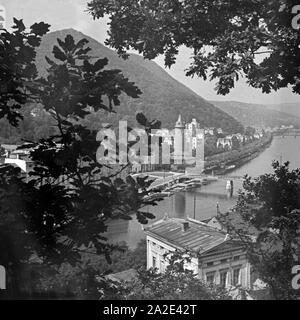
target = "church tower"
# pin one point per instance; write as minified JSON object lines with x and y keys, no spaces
{"x":179,"y":141}
{"x":2,"y":17}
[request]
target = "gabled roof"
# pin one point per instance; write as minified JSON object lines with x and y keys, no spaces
{"x":227,"y":246}
{"x":198,"y":237}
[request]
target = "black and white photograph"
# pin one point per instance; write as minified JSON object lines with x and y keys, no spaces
{"x":149,"y":151}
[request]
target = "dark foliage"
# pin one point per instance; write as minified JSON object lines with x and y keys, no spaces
{"x":237,"y":32}
{"x":267,"y":220}
{"x":62,"y":208}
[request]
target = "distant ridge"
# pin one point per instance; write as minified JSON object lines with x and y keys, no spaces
{"x":289,"y":108}
{"x":257,"y":115}
{"x":163,"y":98}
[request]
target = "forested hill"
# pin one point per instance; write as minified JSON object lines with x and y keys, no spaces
{"x":257,"y":115}
{"x":163,"y":97}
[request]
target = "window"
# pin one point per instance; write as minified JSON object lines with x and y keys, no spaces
{"x":209,"y":264}
{"x":223,"y":278}
{"x":223,"y":260}
{"x":236,"y":276}
{"x":210,"y":277}
{"x":153,"y":262}
{"x":236,"y":258}
{"x":162,"y":266}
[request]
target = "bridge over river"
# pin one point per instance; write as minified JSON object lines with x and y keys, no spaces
{"x":287,"y":133}
{"x":164,"y":180}
{"x":201,"y":203}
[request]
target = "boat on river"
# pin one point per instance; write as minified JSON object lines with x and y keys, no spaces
{"x":231,"y":167}
{"x":196,"y":182}
{"x":205,"y":182}
{"x":190,"y":185}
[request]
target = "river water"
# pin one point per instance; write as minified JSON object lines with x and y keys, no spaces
{"x":202,"y":203}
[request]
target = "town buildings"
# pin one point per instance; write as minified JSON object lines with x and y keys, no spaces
{"x":225,"y":143}
{"x":194,"y":135}
{"x":185,"y":145}
{"x":215,"y":257}
{"x":15,"y":156}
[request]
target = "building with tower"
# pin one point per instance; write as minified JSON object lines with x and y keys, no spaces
{"x":189,"y":144}
{"x":179,"y":141}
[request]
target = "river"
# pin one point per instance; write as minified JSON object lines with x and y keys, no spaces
{"x":202,"y":203}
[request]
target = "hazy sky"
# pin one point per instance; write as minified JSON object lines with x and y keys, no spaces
{"x":71,"y":14}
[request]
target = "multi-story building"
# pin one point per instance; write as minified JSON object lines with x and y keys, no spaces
{"x":193,"y":134}
{"x":17,"y":157}
{"x":225,"y":142}
{"x":209,"y":131}
{"x":188,"y":143}
{"x":215,"y":257}
{"x":240,"y":137}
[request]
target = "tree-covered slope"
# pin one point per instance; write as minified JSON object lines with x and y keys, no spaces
{"x":256,"y":115}
{"x":163,"y":97}
{"x":290,"y":108}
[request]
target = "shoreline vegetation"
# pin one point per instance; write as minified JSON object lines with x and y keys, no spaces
{"x":227,"y":161}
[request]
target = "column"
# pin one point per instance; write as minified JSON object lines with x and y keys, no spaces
{"x":217,"y":277}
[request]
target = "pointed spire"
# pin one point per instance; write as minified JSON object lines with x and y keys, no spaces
{"x":179,"y":123}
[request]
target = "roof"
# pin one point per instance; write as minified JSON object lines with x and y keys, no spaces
{"x":179,"y":123}
{"x":198,"y":237}
{"x":10,"y":147}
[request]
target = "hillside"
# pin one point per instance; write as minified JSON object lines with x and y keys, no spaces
{"x":257,"y":115}
{"x":289,"y":108}
{"x":163,"y":97}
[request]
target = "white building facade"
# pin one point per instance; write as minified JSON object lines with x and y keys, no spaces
{"x":215,"y":258}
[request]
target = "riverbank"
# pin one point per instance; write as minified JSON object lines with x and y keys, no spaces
{"x":231,"y":160}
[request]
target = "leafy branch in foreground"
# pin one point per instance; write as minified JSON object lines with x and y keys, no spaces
{"x":226,"y":37}
{"x":267,"y":220}
{"x":64,"y":207}
{"x":176,"y":283}
{"x":17,"y":67}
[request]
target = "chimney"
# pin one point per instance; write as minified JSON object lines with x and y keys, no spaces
{"x":185,"y":226}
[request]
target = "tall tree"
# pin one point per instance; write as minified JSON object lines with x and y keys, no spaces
{"x":226,"y":37}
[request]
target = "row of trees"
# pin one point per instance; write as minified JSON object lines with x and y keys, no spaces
{"x":237,"y":34}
